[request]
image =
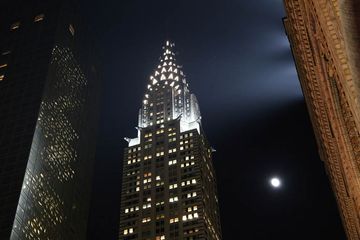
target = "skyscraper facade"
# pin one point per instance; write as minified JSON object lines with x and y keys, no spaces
{"x":169,"y":183}
{"x":48,"y":108}
{"x":330,"y":83}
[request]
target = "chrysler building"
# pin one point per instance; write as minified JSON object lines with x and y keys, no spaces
{"x":169,"y":183}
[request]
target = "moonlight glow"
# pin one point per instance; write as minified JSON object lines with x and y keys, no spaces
{"x":275,"y":182}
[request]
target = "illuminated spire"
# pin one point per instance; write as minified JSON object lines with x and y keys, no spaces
{"x":167,"y":96}
{"x":168,"y":69}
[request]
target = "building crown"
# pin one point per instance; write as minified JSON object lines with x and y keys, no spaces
{"x":168,"y":97}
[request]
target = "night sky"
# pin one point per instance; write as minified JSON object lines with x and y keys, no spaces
{"x":238,"y":63}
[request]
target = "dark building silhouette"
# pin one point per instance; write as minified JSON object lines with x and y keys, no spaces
{"x":169,"y":183}
{"x":48,"y":108}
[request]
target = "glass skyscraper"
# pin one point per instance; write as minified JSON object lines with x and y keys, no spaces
{"x":48,"y":115}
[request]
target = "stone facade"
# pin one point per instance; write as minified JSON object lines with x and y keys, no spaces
{"x":329,"y":81}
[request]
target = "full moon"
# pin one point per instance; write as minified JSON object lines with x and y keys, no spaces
{"x":275,"y":182}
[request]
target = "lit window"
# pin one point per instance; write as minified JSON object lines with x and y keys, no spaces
{"x":159,"y":184}
{"x":172,"y":162}
{"x":2,"y":77}
{"x":39,"y":18}
{"x":172,"y":150}
{"x":173,"y":199}
{"x":189,"y":195}
{"x":174,"y":220}
{"x":128,"y":231}
{"x":147,"y":180}
{"x":160,"y":131}
{"x":3,"y":65}
{"x":145,"y":206}
{"x":173,"y":186}
{"x":190,"y":209}
{"x":190,"y":216}
{"x":147,"y":157}
{"x":160,"y":203}
{"x":160,"y":154}
{"x":15,"y":26}
{"x":72,"y":29}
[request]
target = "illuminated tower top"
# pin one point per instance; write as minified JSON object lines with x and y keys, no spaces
{"x":168,"y":181}
{"x":168,"y":97}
